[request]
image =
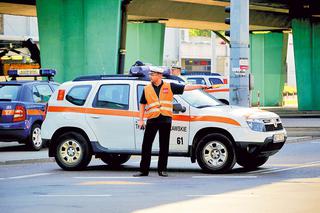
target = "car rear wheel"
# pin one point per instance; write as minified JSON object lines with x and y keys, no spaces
{"x":34,"y":141}
{"x":72,"y":151}
{"x":215,"y":153}
{"x":249,"y":162}
{"x":115,"y":159}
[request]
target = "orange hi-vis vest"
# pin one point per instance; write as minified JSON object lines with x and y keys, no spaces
{"x":162,"y":105}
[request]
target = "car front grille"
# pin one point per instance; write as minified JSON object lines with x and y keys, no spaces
{"x":272,"y":127}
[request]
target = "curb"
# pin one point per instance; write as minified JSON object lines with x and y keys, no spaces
{"x":28,"y":161}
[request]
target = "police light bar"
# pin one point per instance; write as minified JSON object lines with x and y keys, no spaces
{"x":31,"y":72}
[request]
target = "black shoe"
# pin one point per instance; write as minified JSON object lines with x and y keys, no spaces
{"x":140,"y":174}
{"x":163,"y":174}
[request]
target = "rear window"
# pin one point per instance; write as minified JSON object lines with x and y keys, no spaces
{"x":78,"y":95}
{"x":9,"y":92}
{"x":214,"y":81}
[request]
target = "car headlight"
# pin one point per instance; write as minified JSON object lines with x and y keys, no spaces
{"x":256,"y":125}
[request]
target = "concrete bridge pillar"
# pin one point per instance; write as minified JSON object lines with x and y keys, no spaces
{"x":268,"y":62}
{"x":145,"y":42}
{"x":79,"y":37}
{"x":306,"y":41}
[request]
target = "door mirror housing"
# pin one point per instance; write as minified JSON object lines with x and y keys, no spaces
{"x":178,"y":108}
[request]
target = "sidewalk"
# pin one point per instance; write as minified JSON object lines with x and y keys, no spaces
{"x":299,"y":129}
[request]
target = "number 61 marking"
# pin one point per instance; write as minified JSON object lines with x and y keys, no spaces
{"x":179,"y":140}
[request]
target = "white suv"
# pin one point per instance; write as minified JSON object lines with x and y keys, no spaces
{"x":219,"y":84}
{"x":97,"y":115}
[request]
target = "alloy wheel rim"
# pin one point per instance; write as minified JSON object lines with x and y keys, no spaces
{"x":215,"y":154}
{"x":70,"y":152}
{"x":36,"y":137}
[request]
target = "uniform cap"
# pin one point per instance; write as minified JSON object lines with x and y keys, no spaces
{"x":156,"y":69}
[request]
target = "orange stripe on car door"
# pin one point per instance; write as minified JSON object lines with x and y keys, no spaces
{"x":136,"y":114}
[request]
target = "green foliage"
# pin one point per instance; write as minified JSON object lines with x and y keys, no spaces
{"x":203,"y":33}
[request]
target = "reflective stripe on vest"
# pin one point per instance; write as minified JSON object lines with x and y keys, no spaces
{"x":162,"y":105}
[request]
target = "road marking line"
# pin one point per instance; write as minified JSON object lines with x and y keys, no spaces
{"x":107,"y":177}
{"x":28,"y":176}
{"x":263,"y":170}
{"x":225,"y":176}
{"x":2,"y":178}
{"x":311,"y":164}
{"x":105,"y":195}
{"x":91,"y":183}
{"x":316,"y":142}
{"x":224,"y":195}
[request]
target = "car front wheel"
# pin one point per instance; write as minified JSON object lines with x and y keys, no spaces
{"x":72,"y":151}
{"x":215,"y":153}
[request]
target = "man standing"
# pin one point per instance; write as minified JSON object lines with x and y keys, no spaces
{"x":177,"y":70}
{"x":156,"y":104}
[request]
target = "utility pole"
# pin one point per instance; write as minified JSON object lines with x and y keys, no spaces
{"x":239,"y":52}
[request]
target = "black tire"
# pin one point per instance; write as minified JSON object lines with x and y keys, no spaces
{"x":72,"y":151}
{"x":34,"y":141}
{"x":219,"y":158}
{"x":115,"y":159}
{"x":249,"y":162}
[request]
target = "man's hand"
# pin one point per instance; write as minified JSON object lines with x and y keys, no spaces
{"x":141,"y":124}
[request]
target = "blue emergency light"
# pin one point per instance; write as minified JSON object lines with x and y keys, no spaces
{"x":14,"y":73}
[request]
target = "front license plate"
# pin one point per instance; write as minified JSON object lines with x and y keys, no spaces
{"x":278,"y":138}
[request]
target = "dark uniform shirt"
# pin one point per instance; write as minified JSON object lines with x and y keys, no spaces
{"x":176,"y":89}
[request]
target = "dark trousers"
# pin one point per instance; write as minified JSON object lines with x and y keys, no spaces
{"x":148,"y":138}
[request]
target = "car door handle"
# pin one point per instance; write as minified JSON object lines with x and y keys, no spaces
{"x":95,"y":116}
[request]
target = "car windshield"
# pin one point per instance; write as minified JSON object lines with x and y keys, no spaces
{"x":200,"y":99}
{"x":9,"y":92}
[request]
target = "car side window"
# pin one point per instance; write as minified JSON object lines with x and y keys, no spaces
{"x":44,"y":93}
{"x":197,"y":81}
{"x":113,"y":96}
{"x":78,"y":94}
{"x":140,"y":88}
{"x":36,"y":95}
{"x":214,"y":81}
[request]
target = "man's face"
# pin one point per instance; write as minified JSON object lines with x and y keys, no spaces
{"x":176,"y":71}
{"x":155,"y":77}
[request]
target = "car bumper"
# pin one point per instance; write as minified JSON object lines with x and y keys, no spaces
{"x":267,"y":148}
{"x":14,"y":131}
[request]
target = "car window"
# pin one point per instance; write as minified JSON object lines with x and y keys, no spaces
{"x":78,"y":94}
{"x":200,"y":99}
{"x":113,"y":96}
{"x":54,"y":86}
{"x":9,"y":92}
{"x":214,"y":81}
{"x":41,"y":93}
{"x":139,"y":94}
{"x":196,"y":81}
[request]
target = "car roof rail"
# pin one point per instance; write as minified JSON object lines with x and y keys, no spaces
{"x":202,"y":73}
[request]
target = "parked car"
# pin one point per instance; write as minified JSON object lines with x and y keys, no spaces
{"x":219,"y":84}
{"x":23,"y":106}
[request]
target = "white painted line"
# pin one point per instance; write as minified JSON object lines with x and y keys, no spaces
{"x":2,"y":178}
{"x":225,"y":176}
{"x":107,"y":177}
{"x":316,"y":142}
{"x":28,"y":176}
{"x":103,"y":195}
{"x":311,"y":164}
{"x":261,"y":170}
{"x":224,"y":195}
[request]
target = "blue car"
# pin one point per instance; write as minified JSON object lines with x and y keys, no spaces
{"x":23,"y":106}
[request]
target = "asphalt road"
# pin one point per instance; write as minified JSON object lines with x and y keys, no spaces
{"x":288,"y":182}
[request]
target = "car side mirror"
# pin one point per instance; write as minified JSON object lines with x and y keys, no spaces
{"x":178,"y":108}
